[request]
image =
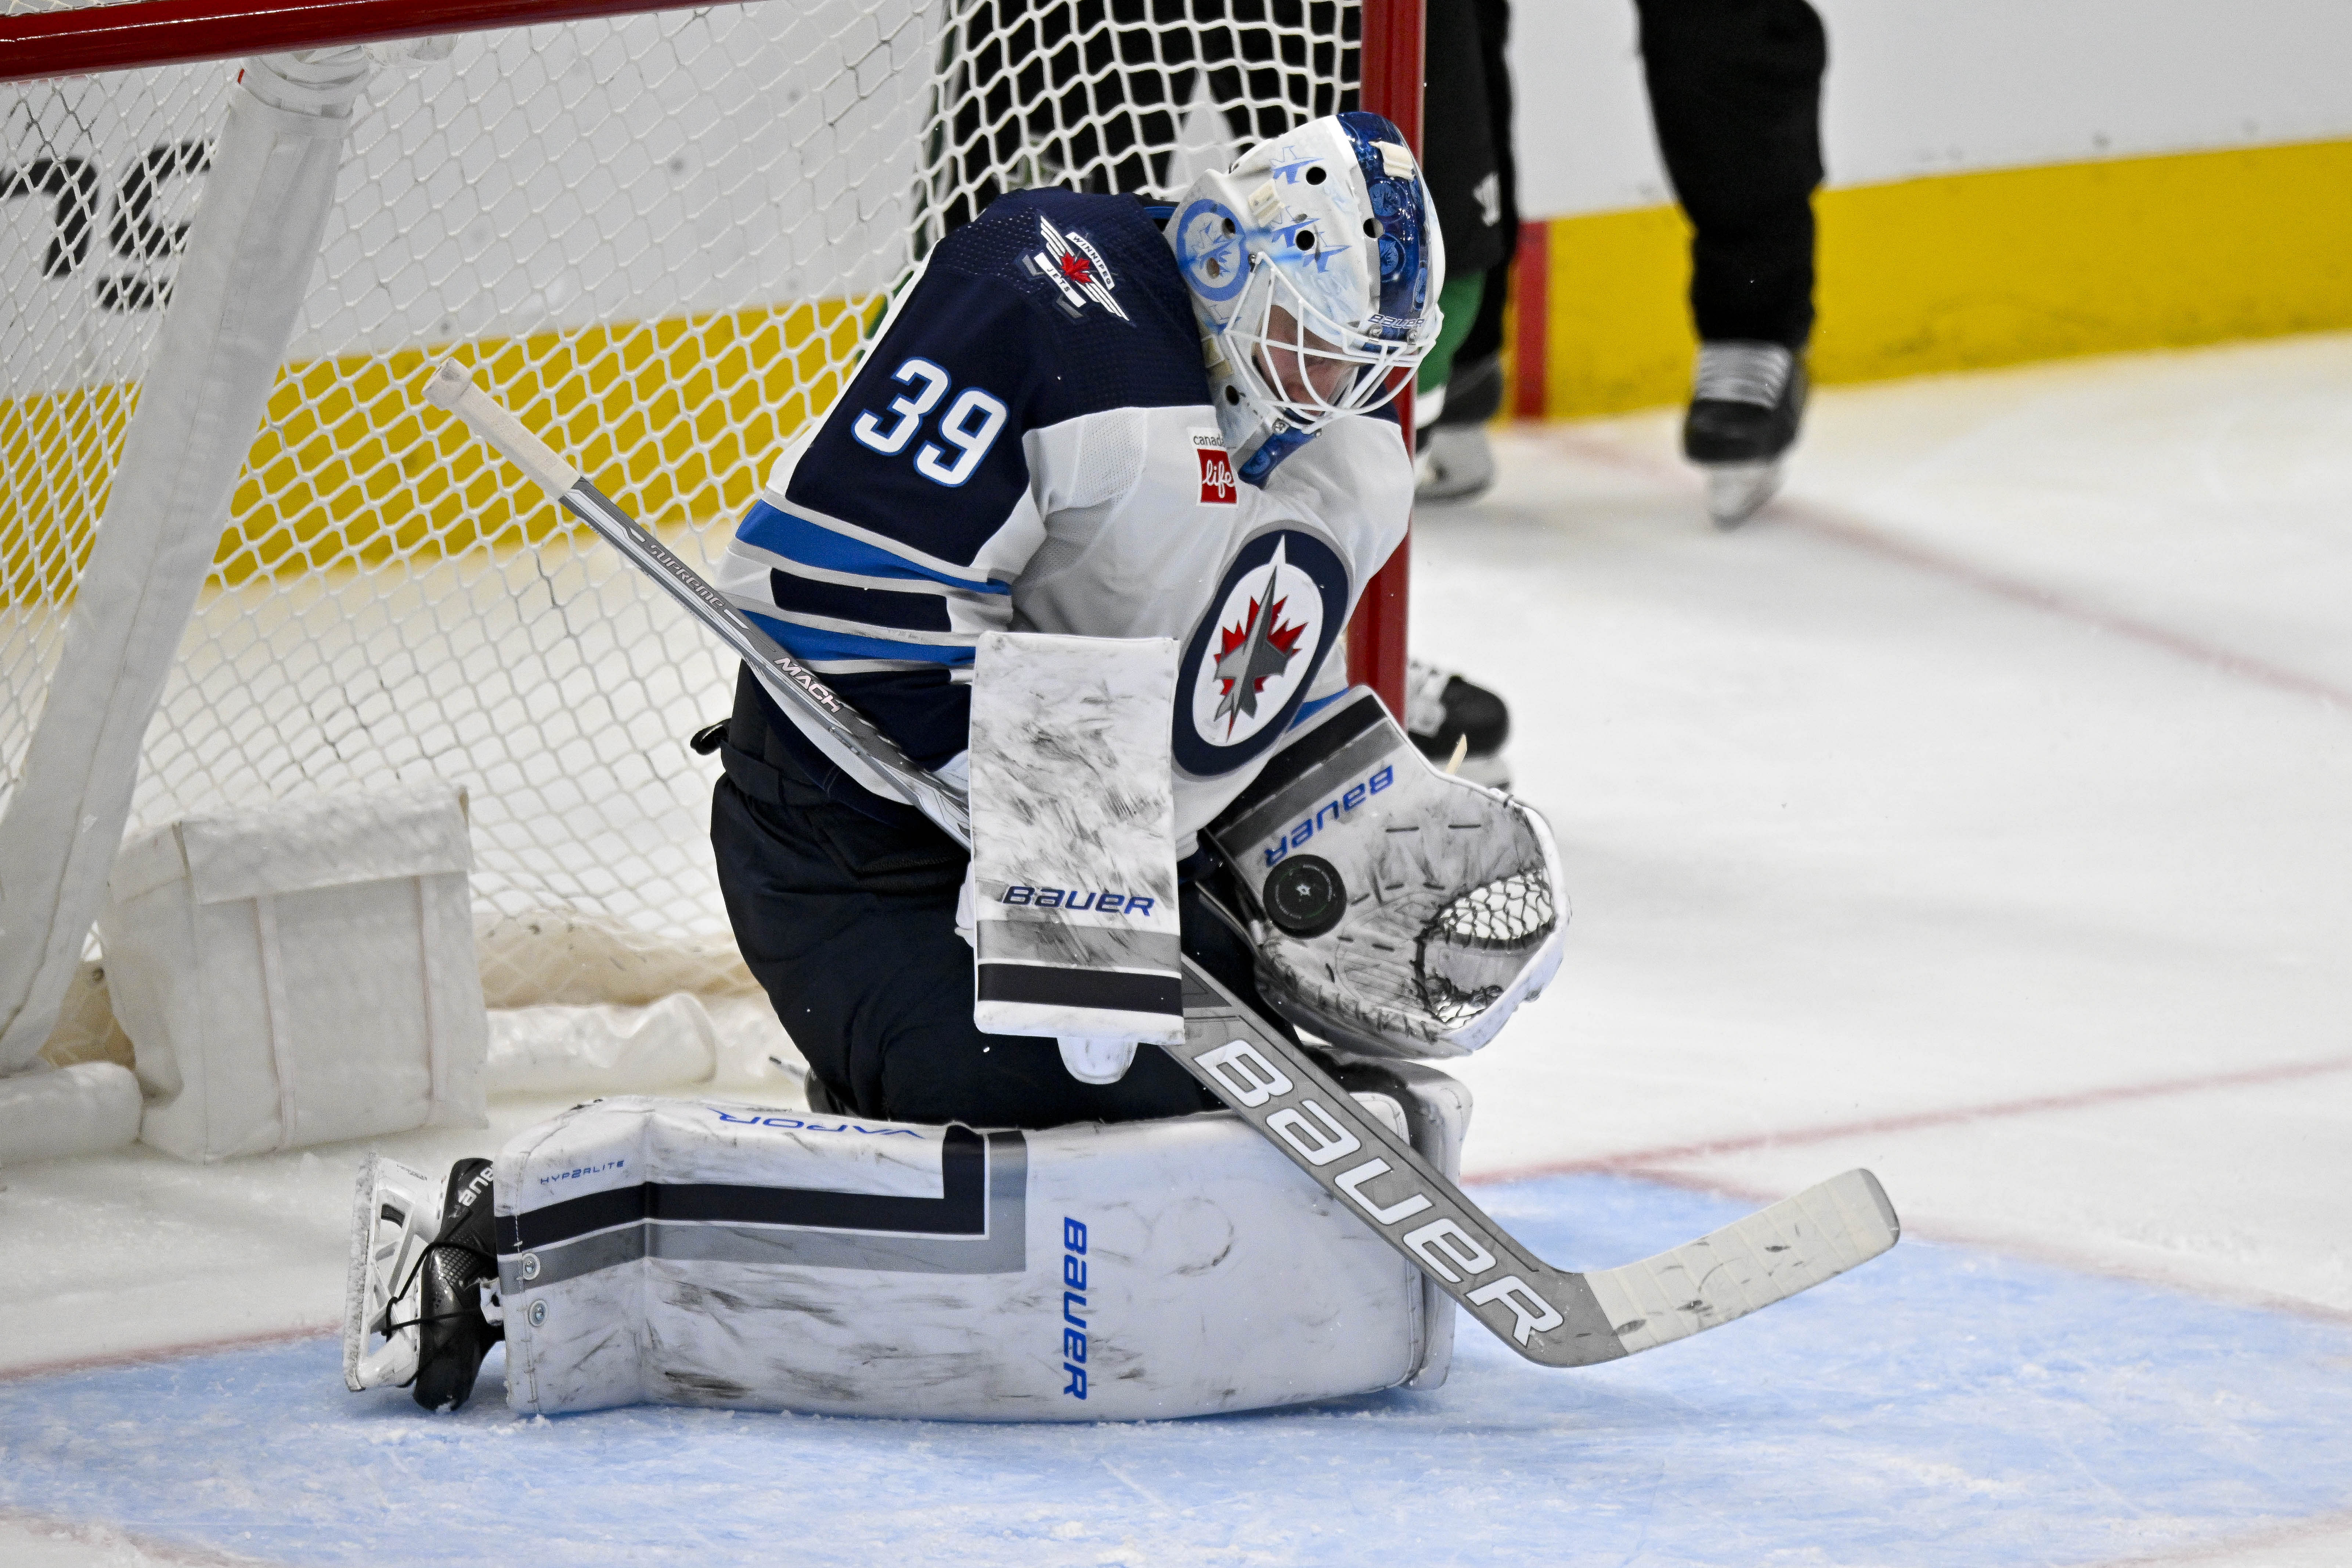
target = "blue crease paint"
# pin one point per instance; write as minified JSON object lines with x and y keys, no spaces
{"x":1941,"y":1407}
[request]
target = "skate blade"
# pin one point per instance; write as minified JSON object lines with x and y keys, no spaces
{"x":392,"y":1215}
{"x":1735,"y":490}
{"x":1490,"y":770}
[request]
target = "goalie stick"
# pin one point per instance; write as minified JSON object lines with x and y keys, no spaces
{"x":1552,"y":1316}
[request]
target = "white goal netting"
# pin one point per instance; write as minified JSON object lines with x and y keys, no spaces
{"x":661,"y":239}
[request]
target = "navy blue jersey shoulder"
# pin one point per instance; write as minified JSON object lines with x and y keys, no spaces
{"x":1049,"y":306}
{"x":1099,"y":270}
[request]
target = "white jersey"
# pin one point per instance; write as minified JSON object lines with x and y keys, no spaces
{"x":1029,"y":447}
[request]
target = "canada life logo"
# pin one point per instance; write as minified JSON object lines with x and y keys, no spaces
{"x":1218,"y":486}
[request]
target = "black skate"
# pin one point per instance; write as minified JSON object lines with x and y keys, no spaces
{"x":1746,"y":403}
{"x":1460,"y":727}
{"x":414,"y":1312}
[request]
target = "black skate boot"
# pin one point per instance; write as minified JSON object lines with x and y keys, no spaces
{"x":1460,"y":727}
{"x":1746,"y":403}
{"x":453,"y":1332}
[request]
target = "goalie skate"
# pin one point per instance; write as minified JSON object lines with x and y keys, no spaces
{"x":423,"y":1282}
{"x":396,"y":1210}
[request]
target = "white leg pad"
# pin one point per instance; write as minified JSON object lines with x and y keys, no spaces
{"x":1437,"y":1109}
{"x":695,"y":1252}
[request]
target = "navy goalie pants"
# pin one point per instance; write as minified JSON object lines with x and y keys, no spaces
{"x":850,"y":925}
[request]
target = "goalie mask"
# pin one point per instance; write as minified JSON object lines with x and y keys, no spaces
{"x":1395,"y":911}
{"x":1315,"y":267}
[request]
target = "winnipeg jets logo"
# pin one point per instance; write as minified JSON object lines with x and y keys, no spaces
{"x":1075,"y":268}
{"x":1257,"y":649}
{"x":1261,"y":649}
{"x":1209,"y":250}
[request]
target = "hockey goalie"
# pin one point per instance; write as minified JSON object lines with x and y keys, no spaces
{"x":1077,"y":542}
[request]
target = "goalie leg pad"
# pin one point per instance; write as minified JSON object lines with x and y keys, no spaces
{"x":702,"y":1253}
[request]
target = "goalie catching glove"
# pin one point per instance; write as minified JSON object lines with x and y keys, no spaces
{"x":1397,"y":911}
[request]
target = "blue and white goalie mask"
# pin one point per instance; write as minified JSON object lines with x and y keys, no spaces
{"x":1315,"y":267}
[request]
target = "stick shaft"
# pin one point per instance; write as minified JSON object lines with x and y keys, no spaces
{"x":869,"y":755}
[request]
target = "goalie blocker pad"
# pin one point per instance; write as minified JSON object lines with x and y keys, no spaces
{"x":1397,"y":911}
{"x":1073,"y":838}
{"x":693,"y":1252}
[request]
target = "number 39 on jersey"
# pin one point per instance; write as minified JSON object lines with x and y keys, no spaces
{"x":970,"y":425}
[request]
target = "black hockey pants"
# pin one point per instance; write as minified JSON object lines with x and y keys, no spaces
{"x":849,"y":924}
{"x":1735,"y":95}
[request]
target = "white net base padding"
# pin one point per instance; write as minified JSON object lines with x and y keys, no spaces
{"x":661,"y":240}
{"x":86,"y":1109}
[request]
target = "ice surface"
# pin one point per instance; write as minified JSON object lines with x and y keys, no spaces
{"x":1856,"y":831}
{"x":1940,"y":1406}
{"x":1978,"y":812}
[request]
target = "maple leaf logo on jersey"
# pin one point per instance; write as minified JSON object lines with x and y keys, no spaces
{"x":1072,"y":264}
{"x":1254,"y":646}
{"x":1255,"y":652}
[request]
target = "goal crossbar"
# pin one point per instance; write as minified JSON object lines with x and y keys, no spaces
{"x":145,"y":33}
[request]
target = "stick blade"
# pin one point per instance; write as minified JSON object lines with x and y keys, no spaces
{"x":1749,"y":1264}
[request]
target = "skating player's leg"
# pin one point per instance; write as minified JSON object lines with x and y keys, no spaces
{"x":1466,"y":152}
{"x":1735,"y":92}
{"x":1461,"y":727}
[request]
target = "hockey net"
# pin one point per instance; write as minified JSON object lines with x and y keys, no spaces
{"x":662,"y":239}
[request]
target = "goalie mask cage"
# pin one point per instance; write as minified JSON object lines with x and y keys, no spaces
{"x":660,"y":236}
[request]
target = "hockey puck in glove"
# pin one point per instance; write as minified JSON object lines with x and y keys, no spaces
{"x":1306,"y":896}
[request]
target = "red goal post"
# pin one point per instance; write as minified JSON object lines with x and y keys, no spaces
{"x":567,"y":193}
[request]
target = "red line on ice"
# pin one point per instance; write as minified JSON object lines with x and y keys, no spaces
{"x":1831,"y":1131}
{"x":166,"y":1352}
{"x":1855,"y":534}
{"x":1843,"y":528}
